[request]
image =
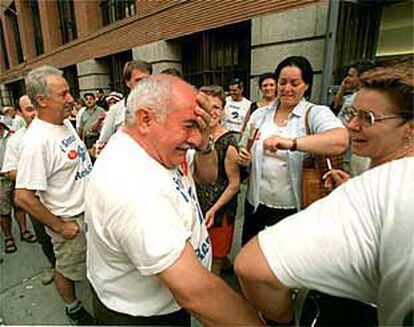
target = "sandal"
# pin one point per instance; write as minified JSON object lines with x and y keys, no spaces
{"x":28,"y":237}
{"x":9,"y":245}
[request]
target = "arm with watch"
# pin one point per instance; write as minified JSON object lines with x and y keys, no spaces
{"x":330,"y":142}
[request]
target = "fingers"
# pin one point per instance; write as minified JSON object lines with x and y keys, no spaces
{"x":203,"y":102}
{"x":203,"y":118}
{"x":209,"y":219}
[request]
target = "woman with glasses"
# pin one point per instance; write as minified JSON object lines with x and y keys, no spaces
{"x":380,"y":121}
{"x":275,"y":159}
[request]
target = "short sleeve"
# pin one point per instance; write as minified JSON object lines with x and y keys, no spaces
{"x":11,"y":156}
{"x":323,"y":119}
{"x":332,"y":246}
{"x":153,"y":235}
{"x":32,"y":169}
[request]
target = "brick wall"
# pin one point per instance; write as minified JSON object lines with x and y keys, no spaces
{"x":155,"y":20}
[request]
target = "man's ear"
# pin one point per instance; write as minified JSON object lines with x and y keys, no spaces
{"x":40,"y":99}
{"x":144,"y":119}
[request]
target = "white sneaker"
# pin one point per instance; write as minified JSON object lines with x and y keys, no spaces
{"x":48,"y":276}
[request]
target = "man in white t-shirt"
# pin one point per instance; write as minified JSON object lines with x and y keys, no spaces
{"x":133,"y":72}
{"x":236,"y":107}
{"x":14,"y":120}
{"x":355,"y":243}
{"x":8,"y":170}
{"x":11,"y":160}
{"x":149,"y":252}
{"x":54,"y":164}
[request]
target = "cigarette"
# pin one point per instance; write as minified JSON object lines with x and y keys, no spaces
{"x":329,"y":164}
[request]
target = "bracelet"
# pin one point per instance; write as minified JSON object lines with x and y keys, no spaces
{"x":210,"y":146}
{"x":294,"y":145}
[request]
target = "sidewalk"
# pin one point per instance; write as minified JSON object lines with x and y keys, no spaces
{"x":23,"y":298}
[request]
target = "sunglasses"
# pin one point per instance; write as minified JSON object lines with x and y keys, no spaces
{"x":366,"y":117}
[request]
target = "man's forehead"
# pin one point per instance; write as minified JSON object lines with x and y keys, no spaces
{"x":25,"y":102}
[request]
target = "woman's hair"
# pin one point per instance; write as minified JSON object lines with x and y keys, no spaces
{"x":265,"y":76}
{"x":396,"y":84}
{"x":305,"y":68}
{"x":215,"y":91}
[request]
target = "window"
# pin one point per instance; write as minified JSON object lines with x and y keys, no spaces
{"x":218,"y":56}
{"x":3,"y":48}
{"x":11,"y":16}
{"x":113,"y":10}
{"x":116,"y":65}
{"x":67,"y":20}
{"x":37,"y":27}
{"x":70,"y":73}
{"x":357,"y":34}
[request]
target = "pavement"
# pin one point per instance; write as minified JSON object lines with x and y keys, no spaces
{"x":25,"y":301}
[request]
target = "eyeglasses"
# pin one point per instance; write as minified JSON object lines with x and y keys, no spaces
{"x":365,"y":117}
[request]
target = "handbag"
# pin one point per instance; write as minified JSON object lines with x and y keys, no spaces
{"x":313,"y":169}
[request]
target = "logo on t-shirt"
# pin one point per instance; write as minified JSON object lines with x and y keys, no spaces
{"x":72,"y":154}
{"x":234,"y":114}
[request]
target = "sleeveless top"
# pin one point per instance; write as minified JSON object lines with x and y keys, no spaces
{"x":209,"y":193}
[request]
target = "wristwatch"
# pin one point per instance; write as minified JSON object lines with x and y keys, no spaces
{"x":294,"y":145}
{"x":210,"y":146}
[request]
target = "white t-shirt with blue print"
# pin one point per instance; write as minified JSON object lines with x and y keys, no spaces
{"x":139,"y":217}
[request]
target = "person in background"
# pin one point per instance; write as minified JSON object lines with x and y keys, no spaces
{"x":6,"y":198}
{"x":218,"y":200}
{"x":88,"y":119}
{"x":267,"y":85}
{"x":133,"y":72}
{"x":101,"y":99}
{"x":236,"y":107}
{"x":13,"y":120}
{"x":173,"y":71}
{"x":113,"y":98}
{"x":275,"y":160}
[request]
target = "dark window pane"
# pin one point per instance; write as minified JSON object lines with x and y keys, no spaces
{"x":114,"y":10}
{"x":11,"y":15}
{"x":3,"y":48}
{"x":217,"y":56}
{"x":37,"y":27}
{"x":67,"y":20}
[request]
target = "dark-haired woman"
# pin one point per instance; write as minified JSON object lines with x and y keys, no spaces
{"x":275,"y":160}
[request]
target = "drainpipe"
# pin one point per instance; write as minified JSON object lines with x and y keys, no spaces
{"x":330,"y":40}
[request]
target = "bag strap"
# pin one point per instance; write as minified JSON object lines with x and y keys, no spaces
{"x":307,"y":125}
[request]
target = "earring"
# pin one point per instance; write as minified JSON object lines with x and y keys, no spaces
{"x":408,"y":141}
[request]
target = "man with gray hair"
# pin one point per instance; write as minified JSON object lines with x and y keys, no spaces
{"x":54,"y":163}
{"x":149,"y":252}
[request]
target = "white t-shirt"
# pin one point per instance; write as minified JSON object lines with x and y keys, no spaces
{"x":55,"y":162}
{"x":357,"y":242}
{"x":234,"y":113}
{"x":113,"y":121}
{"x":18,"y":123}
{"x":13,"y":151}
{"x":139,"y":216}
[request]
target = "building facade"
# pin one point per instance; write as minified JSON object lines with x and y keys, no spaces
{"x":209,"y":41}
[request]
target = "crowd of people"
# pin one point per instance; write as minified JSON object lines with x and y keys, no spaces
{"x":139,"y":193}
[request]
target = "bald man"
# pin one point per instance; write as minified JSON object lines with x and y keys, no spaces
{"x":13,"y":151}
{"x":8,"y":170}
{"x":149,"y":253}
